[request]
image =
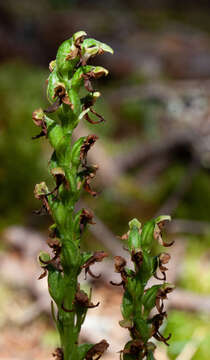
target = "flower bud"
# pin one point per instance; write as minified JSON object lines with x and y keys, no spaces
{"x":41,"y":190}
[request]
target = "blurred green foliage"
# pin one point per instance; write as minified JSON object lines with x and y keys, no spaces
{"x":196,"y":203}
{"x":195,"y":275}
{"x":21,"y":164}
{"x":188,"y":328}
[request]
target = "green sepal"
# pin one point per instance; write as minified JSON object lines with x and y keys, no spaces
{"x":75,"y":152}
{"x":53,"y":82}
{"x":56,"y":136}
{"x":56,"y":285}
{"x":91,"y":43}
{"x":99,"y":71}
{"x":82,"y":350}
{"x":147,"y":268}
{"x":65,"y":49}
{"x":70,"y":255}
{"x":76,"y":104}
{"x":43,"y":256}
{"x":59,"y":213}
{"x":131,"y":286}
{"x":147,"y":235}
{"x":92,"y":47}
{"x":135,"y":288}
{"x":149,"y":298}
{"x":76,"y":226}
{"x":134,"y":237}
{"x":67,"y":55}
{"x":143,"y":328}
{"x":127,"y":306}
{"x":78,"y":80}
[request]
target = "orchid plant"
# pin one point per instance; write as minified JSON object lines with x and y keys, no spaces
{"x":72,"y":97}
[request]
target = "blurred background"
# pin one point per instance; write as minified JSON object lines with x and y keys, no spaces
{"x":153,"y":154}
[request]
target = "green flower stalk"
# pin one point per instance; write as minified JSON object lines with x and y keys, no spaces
{"x":72,"y":97}
{"x":139,"y":300}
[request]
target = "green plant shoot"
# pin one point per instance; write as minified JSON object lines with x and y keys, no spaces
{"x":138,"y":299}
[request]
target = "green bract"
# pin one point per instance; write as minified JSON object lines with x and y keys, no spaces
{"x":69,"y":74}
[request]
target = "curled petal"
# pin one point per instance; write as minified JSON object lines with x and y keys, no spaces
{"x":116,"y":284}
{"x":87,"y":270}
{"x":43,"y":274}
{"x":52,"y":108}
{"x":159,"y":278}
